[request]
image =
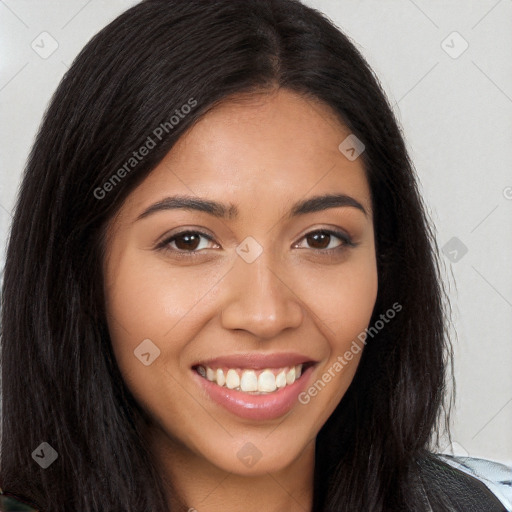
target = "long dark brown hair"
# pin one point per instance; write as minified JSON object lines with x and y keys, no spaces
{"x":60,"y":381}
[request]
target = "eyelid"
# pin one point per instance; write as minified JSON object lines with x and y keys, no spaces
{"x":167,"y":239}
{"x":345,"y":238}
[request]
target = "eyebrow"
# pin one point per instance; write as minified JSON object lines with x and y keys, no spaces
{"x":230,"y":211}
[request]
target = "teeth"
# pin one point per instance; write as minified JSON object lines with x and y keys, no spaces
{"x":220,"y":377}
{"x":281,"y":379}
{"x":267,"y":381}
{"x":252,"y":381}
{"x":249,"y":381}
{"x":232,"y":379}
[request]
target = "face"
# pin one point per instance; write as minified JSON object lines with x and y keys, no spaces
{"x":235,"y":288}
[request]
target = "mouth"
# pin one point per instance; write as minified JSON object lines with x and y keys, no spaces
{"x":254,"y":382}
{"x":255,"y":387}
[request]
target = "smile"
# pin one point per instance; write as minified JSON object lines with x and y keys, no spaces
{"x":252,"y":381}
{"x":256,"y":387}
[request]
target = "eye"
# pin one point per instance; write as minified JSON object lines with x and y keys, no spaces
{"x":187,"y":241}
{"x":327,"y":240}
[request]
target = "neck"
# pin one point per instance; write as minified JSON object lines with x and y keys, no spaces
{"x":196,"y":485}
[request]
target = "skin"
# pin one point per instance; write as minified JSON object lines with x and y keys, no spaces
{"x":261,"y":153}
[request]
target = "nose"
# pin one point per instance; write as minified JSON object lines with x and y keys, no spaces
{"x":259,"y":300}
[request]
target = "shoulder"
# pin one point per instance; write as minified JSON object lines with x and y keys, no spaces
{"x":467,"y":483}
{"x":12,"y":503}
{"x":495,"y":475}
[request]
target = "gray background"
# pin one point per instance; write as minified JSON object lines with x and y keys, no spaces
{"x":455,"y":107}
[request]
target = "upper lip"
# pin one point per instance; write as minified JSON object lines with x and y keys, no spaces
{"x":255,"y":361}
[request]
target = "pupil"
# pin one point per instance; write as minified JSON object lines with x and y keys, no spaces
{"x":319,"y":240}
{"x":190,"y":242}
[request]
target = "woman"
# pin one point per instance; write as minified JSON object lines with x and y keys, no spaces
{"x":221,"y":287}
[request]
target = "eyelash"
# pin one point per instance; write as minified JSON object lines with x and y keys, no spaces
{"x":343,"y":237}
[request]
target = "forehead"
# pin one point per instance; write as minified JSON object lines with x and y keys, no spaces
{"x":259,"y":150}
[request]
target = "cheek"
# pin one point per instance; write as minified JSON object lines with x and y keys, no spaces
{"x":147,"y":299}
{"x":149,"y":323}
{"x":343,"y":302}
{"x":144,"y":303}
{"x":143,"y":299}
{"x":342,"y":298}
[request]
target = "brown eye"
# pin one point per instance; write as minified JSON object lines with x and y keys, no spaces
{"x":326,"y":240}
{"x":188,"y":241}
{"x":319,"y":240}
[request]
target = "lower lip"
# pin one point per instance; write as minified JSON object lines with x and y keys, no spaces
{"x":257,"y":407}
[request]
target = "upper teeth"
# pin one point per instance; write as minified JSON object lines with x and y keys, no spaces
{"x":255,"y":381}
